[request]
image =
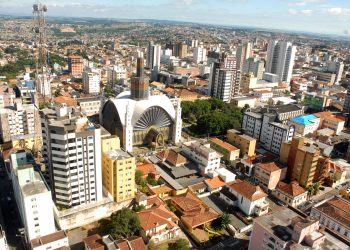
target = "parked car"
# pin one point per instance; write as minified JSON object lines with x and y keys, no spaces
{"x":281,"y":203}
{"x":322,"y":188}
{"x":338,"y":187}
{"x":301,"y":206}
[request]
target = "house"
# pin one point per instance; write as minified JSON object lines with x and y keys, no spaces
{"x":173,"y":158}
{"x":335,"y":174}
{"x":148,"y":201}
{"x":198,"y":188}
{"x":131,"y":243}
{"x":214,"y":184}
{"x":162,"y":191}
{"x":248,"y":198}
{"x":328,"y":120}
{"x":159,"y":224}
{"x":292,"y":194}
{"x":96,"y":242}
{"x":335,"y":215}
{"x":194,"y":213}
{"x":268,"y":174}
{"x":148,"y":170}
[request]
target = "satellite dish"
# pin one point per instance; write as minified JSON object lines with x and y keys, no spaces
{"x":35,"y":7}
{"x":44,"y":8}
{"x":36,"y":30}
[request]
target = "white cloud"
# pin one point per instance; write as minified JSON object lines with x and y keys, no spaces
{"x":335,"y":10}
{"x":303,"y":2}
{"x":306,"y":12}
{"x":292,"y":11}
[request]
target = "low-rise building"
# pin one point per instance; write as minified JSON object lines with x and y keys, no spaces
{"x":89,"y":105}
{"x":208,"y":159}
{"x":245,"y":143}
{"x":290,"y":193}
{"x":305,"y":125}
{"x":248,"y":198}
{"x":286,"y":229}
{"x":194,"y":212}
{"x":267,"y":175}
{"x":263,"y":95}
{"x":230,"y":153}
{"x":335,"y":215}
{"x":328,"y":120}
{"x":159,"y":224}
{"x":57,"y":240}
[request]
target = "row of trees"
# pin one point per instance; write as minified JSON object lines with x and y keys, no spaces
{"x":211,"y":116}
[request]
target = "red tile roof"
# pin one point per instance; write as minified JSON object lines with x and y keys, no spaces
{"x":223,"y":144}
{"x":94,"y":242}
{"x":146,"y":168}
{"x":172,"y":157}
{"x":293,"y":189}
{"x":215,"y":182}
{"x":269,"y":166}
{"x":132,"y":243}
{"x":152,"y":217}
{"x":248,"y":190}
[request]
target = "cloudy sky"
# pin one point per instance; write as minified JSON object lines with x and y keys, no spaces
{"x":321,"y":16}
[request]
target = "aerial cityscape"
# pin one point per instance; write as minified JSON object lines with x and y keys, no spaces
{"x":175,"y":125}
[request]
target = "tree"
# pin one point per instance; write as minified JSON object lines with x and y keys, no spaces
{"x":180,"y":244}
{"x":225,"y":220}
{"x":310,"y":191}
{"x":316,"y":188}
{"x":123,"y":224}
{"x":138,"y":176}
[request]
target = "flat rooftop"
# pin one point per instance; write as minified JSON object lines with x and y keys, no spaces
{"x":118,"y":154}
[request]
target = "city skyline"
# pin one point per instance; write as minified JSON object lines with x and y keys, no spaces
{"x":318,"y":16}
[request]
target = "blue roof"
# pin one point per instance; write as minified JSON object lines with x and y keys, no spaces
{"x":305,"y":120}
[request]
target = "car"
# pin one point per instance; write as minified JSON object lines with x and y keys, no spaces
{"x":348,"y":190}
{"x":281,"y":203}
{"x":322,"y":188}
{"x":302,"y":206}
{"x":338,"y":187}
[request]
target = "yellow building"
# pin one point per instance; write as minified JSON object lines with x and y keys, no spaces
{"x":245,"y":143}
{"x":118,"y":170}
{"x":301,"y":158}
{"x":230,"y":153}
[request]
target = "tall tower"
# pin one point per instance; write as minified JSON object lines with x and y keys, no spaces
{"x":128,"y":130}
{"x":43,"y":84}
{"x":178,"y":122}
{"x":280,"y":60}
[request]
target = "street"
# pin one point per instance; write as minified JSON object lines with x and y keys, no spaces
{"x":9,"y":216}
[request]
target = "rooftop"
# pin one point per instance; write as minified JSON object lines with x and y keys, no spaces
{"x":292,"y":189}
{"x":338,"y":209}
{"x":305,"y":120}
{"x":153,"y":217}
{"x":269,"y":166}
{"x":248,"y":190}
{"x":118,"y":154}
{"x":40,"y":241}
{"x":223,"y":144}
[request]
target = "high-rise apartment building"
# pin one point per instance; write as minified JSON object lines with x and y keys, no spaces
{"x":118,"y":171}
{"x":302,"y":158}
{"x":280,"y":59}
{"x":243,"y":52}
{"x":253,"y":65}
{"x":91,"y":82}
{"x":72,"y":150}
{"x":346,"y":106}
{"x":224,"y":79}
{"x":75,"y":65}
{"x":336,"y":68}
{"x":153,"y":55}
{"x":180,"y":50}
{"x":19,"y":121}
{"x":115,"y":74}
{"x":199,"y":54}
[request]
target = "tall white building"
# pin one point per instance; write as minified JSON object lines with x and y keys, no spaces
{"x":153,"y":55}
{"x":253,"y":65}
{"x":337,"y":68}
{"x":43,"y":85}
{"x":72,"y":150}
{"x":91,"y":82}
{"x":243,"y":52}
{"x":224,"y":80}
{"x":19,"y":121}
{"x":280,"y":59}
{"x":33,"y":198}
{"x":115,"y":73}
{"x":199,"y":55}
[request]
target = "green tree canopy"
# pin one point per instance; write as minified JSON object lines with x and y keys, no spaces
{"x":180,"y":244}
{"x":123,"y":224}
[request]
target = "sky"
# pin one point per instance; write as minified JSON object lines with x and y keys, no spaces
{"x":319,"y":16}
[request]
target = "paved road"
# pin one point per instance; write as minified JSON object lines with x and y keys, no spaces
{"x":9,"y":213}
